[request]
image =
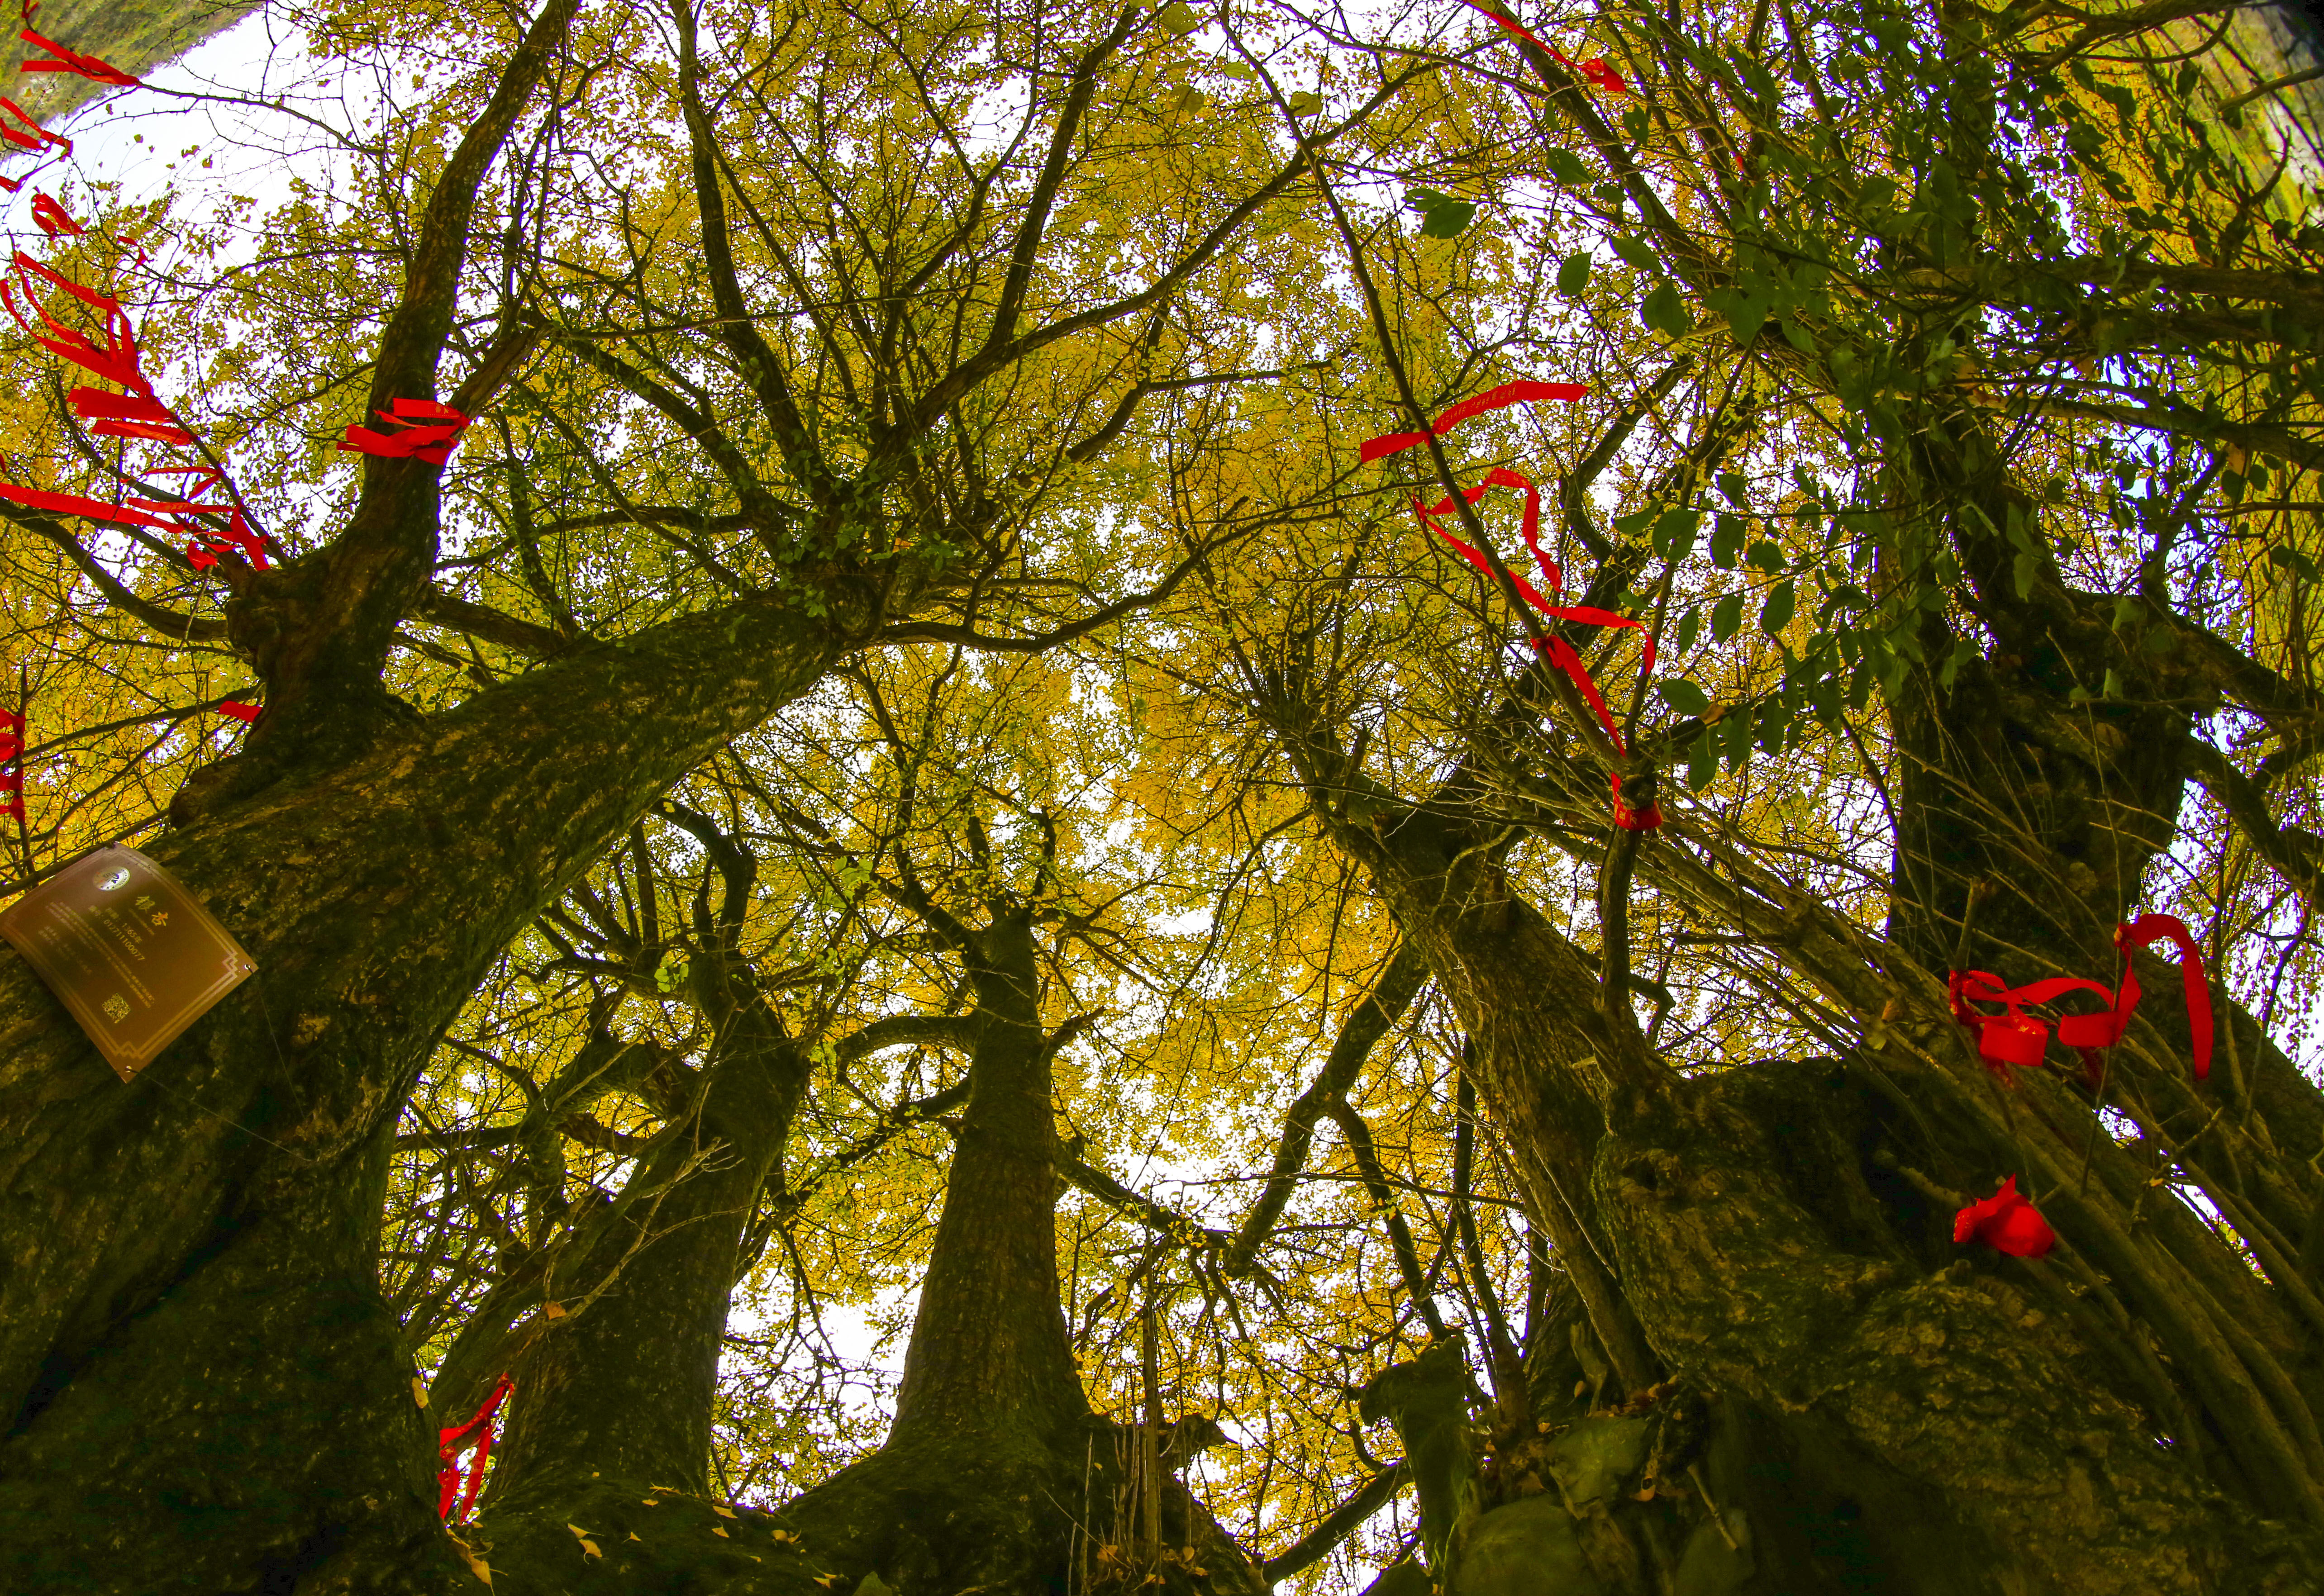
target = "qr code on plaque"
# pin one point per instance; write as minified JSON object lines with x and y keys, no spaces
{"x":117,"y":1008}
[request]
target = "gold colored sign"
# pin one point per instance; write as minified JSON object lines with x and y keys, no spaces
{"x":127,"y":950}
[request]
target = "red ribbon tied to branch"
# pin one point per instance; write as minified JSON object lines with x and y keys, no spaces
{"x":430,"y":432}
{"x":449,"y":1444}
{"x":2007,"y":1223}
{"x":2015,"y":1038}
{"x":1595,"y":69}
{"x":74,"y":62}
{"x":1559,"y":652}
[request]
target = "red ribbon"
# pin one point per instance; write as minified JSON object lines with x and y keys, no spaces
{"x":72,"y":62}
{"x":245,"y":713}
{"x":2007,"y":1223}
{"x":1595,"y":68}
{"x":1556,"y":650}
{"x":128,"y":415}
{"x":31,"y":135}
{"x":2015,"y":1038}
{"x":1492,"y":399}
{"x":11,"y":755}
{"x":431,"y":431}
{"x":52,"y":220}
{"x":448,"y":1446}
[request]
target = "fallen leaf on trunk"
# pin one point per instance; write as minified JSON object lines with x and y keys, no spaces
{"x":418,"y":1391}
{"x":589,"y":1548}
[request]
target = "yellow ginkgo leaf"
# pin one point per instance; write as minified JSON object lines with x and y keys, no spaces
{"x":722,"y":1512}
{"x":588,"y":1547}
{"x":418,"y":1391}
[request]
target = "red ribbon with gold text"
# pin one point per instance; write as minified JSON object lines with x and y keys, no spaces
{"x":1559,"y":652}
{"x":2015,"y":1038}
{"x":449,"y":1444}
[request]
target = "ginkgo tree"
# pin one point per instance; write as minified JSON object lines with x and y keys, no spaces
{"x":912,"y":711}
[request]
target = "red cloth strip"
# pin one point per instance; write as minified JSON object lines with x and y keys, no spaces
{"x":74,"y":62}
{"x":51,"y":219}
{"x":418,"y":440}
{"x":449,"y":1445}
{"x":1492,"y":399}
{"x":2007,"y":1223}
{"x":1595,"y":69}
{"x":31,"y":135}
{"x":2015,"y":1038}
{"x":238,"y":710}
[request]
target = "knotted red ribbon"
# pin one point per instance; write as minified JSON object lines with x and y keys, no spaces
{"x":450,"y":1442}
{"x":430,"y":432}
{"x":2015,"y":1038}
{"x":1595,"y":69}
{"x":74,"y":62}
{"x":2007,"y":1223}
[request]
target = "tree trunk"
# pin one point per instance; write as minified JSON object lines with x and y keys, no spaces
{"x":1987,"y":1419}
{"x":191,"y":1259}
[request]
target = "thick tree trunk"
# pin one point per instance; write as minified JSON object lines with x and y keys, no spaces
{"x":188,"y":1260}
{"x":1992,"y":1423}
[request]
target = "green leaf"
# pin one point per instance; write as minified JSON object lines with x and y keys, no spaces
{"x":1688,"y":625}
{"x":1448,"y":220}
{"x":1674,"y":534}
{"x":1632,"y":525}
{"x":1178,"y":18}
{"x":1573,"y":276}
{"x":1635,"y":253}
{"x":1683,"y":695}
{"x":1733,"y":486}
{"x":1565,"y":166}
{"x":2293,"y":561}
{"x":1305,"y":104}
{"x":1766,"y":557}
{"x":1725,"y":540}
{"x":1666,"y":312}
{"x":1726,"y":617}
{"x":1778,"y":613}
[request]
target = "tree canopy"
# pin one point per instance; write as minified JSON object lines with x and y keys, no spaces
{"x":984,"y":896}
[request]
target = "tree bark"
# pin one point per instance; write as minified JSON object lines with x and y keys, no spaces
{"x":149,"y":1230}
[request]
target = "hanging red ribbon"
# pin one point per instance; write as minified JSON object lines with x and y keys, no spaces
{"x":72,"y":62}
{"x":1492,"y":399}
{"x":1595,"y":68}
{"x":51,"y":218}
{"x":237,"y":709}
{"x":128,"y":415}
{"x":431,"y":431}
{"x":2015,"y":1038}
{"x":11,"y":755}
{"x":30,"y":134}
{"x":2007,"y":1223}
{"x":1555,"y":649}
{"x":449,"y":1444}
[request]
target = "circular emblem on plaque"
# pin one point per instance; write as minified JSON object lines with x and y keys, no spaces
{"x":113,"y":880}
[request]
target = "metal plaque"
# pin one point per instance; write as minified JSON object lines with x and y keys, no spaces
{"x":127,"y":949}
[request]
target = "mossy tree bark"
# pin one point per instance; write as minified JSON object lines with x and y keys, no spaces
{"x":1773,"y":1238}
